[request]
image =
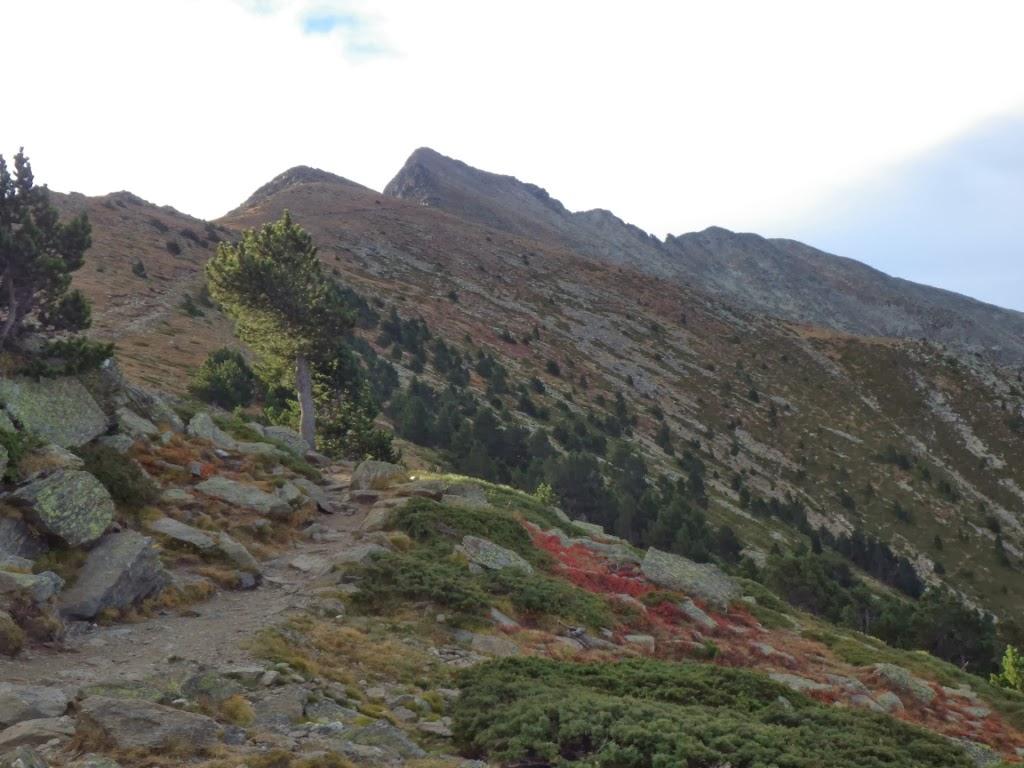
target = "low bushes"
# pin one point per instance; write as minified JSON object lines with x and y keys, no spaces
{"x":127,"y":484}
{"x":646,"y":714}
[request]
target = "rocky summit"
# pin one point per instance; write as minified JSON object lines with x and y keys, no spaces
{"x":579,"y":496}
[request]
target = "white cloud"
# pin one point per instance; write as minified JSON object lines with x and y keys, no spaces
{"x":674,"y":115}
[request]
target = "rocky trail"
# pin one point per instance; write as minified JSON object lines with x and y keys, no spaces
{"x":210,"y":634}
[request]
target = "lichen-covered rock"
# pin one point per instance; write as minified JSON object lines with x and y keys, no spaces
{"x":900,"y":679}
{"x":46,"y":459}
{"x":154,"y":407}
{"x":695,"y":614}
{"x":69,"y":504}
{"x":492,"y":556}
{"x":289,"y":438}
{"x":320,"y":497}
{"x":119,"y":443}
{"x":57,"y":410}
{"x":798,"y":683}
{"x":141,"y":725}
{"x":702,"y":580}
{"x":29,"y":702}
{"x":39,"y":587}
{"x":35,"y":733}
{"x":130,"y":423}
{"x":17,"y":539}
{"x":183,"y":533}
{"x":202,"y":426}
{"x":373,"y":475}
{"x":387,"y":737}
{"x":244,"y":495}
{"x":121,"y":570}
{"x":236,"y":552}
{"x":12,"y":637}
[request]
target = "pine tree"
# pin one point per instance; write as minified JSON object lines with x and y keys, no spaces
{"x":271,"y":283}
{"x":38,"y":253}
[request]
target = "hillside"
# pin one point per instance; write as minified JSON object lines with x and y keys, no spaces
{"x":781,"y":278}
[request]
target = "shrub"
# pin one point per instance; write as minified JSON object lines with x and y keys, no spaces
{"x":224,"y":379}
{"x":173,"y":248}
{"x":18,"y":445}
{"x":139,"y":270}
{"x":642,"y":713}
{"x":122,"y":477}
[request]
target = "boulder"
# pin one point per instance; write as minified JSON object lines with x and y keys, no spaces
{"x":182,"y":533}
{"x":244,"y":495}
{"x":69,"y":504}
{"x":23,"y":757}
{"x":95,"y":761}
{"x":487,"y":554}
{"x":798,"y":683}
{"x":123,"y":569}
{"x":133,"y":724}
{"x":39,"y":587}
{"x":695,"y":614}
{"x":202,"y":426}
{"x":44,"y":460}
{"x":903,"y":681}
{"x":236,"y":552}
{"x":319,"y":496}
{"x":58,"y":410}
{"x":376,"y":475}
{"x":30,"y":702}
{"x":358,"y":553}
{"x":259,"y":449}
{"x":280,"y":707}
{"x":387,"y":737}
{"x":647,"y":643}
{"x":177,"y":497}
{"x":154,"y":407}
{"x":289,"y":438}
{"x":119,"y":443}
{"x":12,"y":637}
{"x":17,"y":539}
{"x":133,"y":425}
{"x":702,"y":580}
{"x":35,"y":733}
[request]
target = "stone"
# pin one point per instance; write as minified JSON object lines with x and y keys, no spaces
{"x":40,"y":587}
{"x":502,"y":620}
{"x":864,"y":701}
{"x":889,"y":702}
{"x":488,"y":645}
{"x":154,"y":407}
{"x":259,"y":449}
{"x":702,"y":580}
{"x":12,"y":637}
{"x":133,"y":425}
{"x":24,"y":757}
{"x":320,"y":497}
{"x":126,"y":689}
{"x":202,"y":426}
{"x":289,"y":494}
{"x":290,"y":439}
{"x":591,"y":529}
{"x":177,"y":497}
{"x":435,"y":728}
{"x":696,"y":614}
{"x":182,"y":533}
{"x":327,"y":711}
{"x":980,"y":754}
{"x":377,"y":518}
{"x":493,"y":556}
{"x":280,"y":707}
{"x":96,"y":761}
{"x":58,"y":410}
{"x":236,"y":552}
{"x":646,"y":642}
{"x":387,"y":737}
{"x":69,"y":504}
{"x":244,"y":495}
{"x":210,"y":688}
{"x":35,"y":733}
{"x":16,"y":538}
{"x":123,"y":569}
{"x":377,"y":475}
{"x":15,"y":563}
{"x":133,"y":724}
{"x":46,"y":459}
{"x":119,"y":443}
{"x":30,"y":702}
{"x":471,"y":494}
{"x":904,"y":682}
{"x":358,"y":553}
{"x":798,"y":683}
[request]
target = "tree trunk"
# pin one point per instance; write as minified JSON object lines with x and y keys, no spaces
{"x":304,"y":387}
{"x":12,"y":308}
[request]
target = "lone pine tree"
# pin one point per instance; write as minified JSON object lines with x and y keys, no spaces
{"x":271,"y":283}
{"x":38,"y":253}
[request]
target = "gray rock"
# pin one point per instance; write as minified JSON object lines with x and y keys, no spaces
{"x":695,"y":614}
{"x":154,"y":407}
{"x":182,"y":533}
{"x":864,"y":701}
{"x":502,"y":620}
{"x":15,"y":563}
{"x":259,"y":449}
{"x":30,"y":702}
{"x":236,"y":552}
{"x":889,"y":702}
{"x":289,"y":438}
{"x":980,"y":754}
{"x":903,"y":681}
{"x":132,"y":724}
{"x":387,"y":737}
{"x":202,"y":426}
{"x":119,"y":443}
{"x":244,"y":495}
{"x":123,"y":569}
{"x":280,"y":707}
{"x":210,"y":688}
{"x":58,"y":410}
{"x":702,"y":580}
{"x":17,"y":539}
{"x":358,"y":553}
{"x":798,"y":683}
{"x":377,"y":475}
{"x":70,"y":504}
{"x":40,"y":587}
{"x":646,"y":642}
{"x":289,"y":494}
{"x":133,"y":425}
{"x":319,"y":496}
{"x":488,"y":645}
{"x":177,"y":497}
{"x":96,"y":761}
{"x":436,"y":728}
{"x":591,"y":529}
{"x":489,"y":555}
{"x":23,"y":757}
{"x":35,"y":733}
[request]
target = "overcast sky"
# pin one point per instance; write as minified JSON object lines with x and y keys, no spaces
{"x":785,"y":118}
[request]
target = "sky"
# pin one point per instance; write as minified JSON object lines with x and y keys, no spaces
{"x":787,"y":118}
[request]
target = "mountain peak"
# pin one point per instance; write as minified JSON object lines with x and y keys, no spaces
{"x":295,"y":176}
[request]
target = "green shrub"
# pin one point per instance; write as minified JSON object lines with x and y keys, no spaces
{"x":536,"y":596}
{"x":68,"y":357}
{"x":646,"y":714}
{"x":224,"y":379}
{"x":345,"y":429}
{"x":122,"y":477}
{"x":18,"y":445}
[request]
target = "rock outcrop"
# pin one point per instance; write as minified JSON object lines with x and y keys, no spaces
{"x":57,"y":410}
{"x":376,"y":475}
{"x":69,"y":504}
{"x":702,"y":580}
{"x":142,"y":725}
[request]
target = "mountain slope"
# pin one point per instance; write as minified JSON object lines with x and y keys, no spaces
{"x":778,"y":277}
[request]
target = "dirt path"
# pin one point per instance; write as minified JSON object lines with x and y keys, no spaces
{"x":213,"y":633}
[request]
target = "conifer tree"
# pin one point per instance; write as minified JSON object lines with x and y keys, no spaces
{"x":38,"y":253}
{"x":271,"y":283}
